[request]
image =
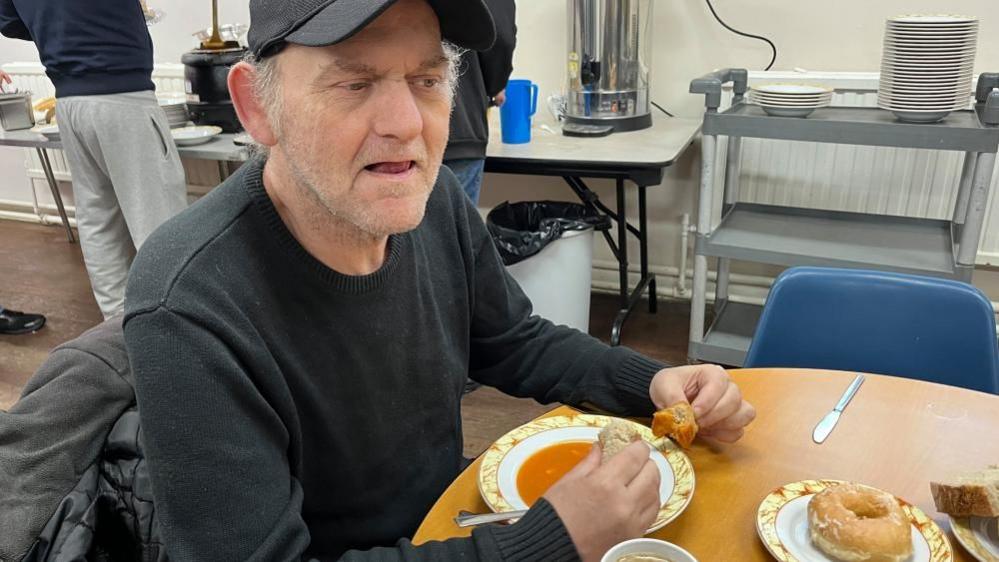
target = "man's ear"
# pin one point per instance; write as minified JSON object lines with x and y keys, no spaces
{"x":249,"y":107}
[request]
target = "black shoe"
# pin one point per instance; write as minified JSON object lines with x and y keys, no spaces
{"x":14,"y":322}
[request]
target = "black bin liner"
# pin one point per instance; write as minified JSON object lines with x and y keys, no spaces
{"x":523,"y":229}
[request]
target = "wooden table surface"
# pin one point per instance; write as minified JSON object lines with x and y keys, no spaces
{"x":896,"y":434}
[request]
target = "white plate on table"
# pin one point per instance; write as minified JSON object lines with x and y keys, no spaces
{"x":932,"y":34}
{"x":792,"y":89}
{"x":904,"y":103}
{"x":501,"y":463}
{"x":50,"y":132}
{"x":978,"y":535}
{"x":190,"y":136}
{"x":933,"y":19}
{"x":924,"y":68}
{"x":168,"y":99}
{"x":782,"y":524}
{"x":809,"y":97}
{"x":943,"y":92}
{"x":784,"y":111}
{"x":790,"y":103}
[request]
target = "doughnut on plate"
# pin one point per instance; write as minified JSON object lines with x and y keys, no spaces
{"x":782,"y":523}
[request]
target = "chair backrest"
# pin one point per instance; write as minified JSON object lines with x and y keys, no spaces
{"x":879,"y":322}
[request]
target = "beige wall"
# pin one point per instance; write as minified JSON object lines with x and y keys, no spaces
{"x":842,"y":35}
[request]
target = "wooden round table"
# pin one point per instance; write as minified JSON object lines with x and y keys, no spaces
{"x":897,"y":434}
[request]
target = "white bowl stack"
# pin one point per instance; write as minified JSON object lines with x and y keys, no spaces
{"x":790,"y":100}
{"x":175,"y":107}
{"x":927,"y":66}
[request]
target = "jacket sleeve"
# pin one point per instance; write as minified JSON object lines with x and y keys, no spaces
{"x":10,"y":23}
{"x":497,"y":62}
{"x":217,"y":453}
{"x":525,"y":355}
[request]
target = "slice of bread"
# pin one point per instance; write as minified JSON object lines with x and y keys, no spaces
{"x":614,"y":437}
{"x":975,"y":494}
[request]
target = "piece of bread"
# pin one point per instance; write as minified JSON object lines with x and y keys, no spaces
{"x":677,"y":422}
{"x":615,"y":436}
{"x":974,"y":494}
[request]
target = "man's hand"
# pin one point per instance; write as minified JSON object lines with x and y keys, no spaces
{"x":604,"y":504}
{"x":720,"y":411}
{"x":500,"y":98}
{"x":4,"y":79}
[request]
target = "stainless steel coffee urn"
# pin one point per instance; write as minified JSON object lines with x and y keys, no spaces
{"x":608,"y":66}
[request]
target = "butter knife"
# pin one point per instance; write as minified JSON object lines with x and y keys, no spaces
{"x":466,"y":519}
{"x":825,"y":427}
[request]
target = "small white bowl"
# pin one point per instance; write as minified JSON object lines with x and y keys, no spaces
{"x":656,"y":547}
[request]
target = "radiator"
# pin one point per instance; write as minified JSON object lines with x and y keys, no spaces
{"x":201,"y":174}
{"x":876,"y":180}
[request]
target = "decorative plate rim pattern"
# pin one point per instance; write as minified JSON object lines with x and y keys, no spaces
{"x":678,"y":461}
{"x":766,"y":519}
{"x":961,"y":526}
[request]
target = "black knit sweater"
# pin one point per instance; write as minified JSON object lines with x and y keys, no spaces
{"x":292,"y":411}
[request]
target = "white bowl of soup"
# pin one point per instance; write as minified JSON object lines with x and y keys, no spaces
{"x":647,"y":550}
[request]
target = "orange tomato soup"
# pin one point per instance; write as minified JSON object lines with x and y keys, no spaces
{"x":547,"y":466}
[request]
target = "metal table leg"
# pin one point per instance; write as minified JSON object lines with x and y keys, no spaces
{"x":643,"y":249}
{"x":619,"y":247}
{"x":50,"y":177}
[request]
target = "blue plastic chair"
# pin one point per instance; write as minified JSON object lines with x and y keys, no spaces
{"x":911,"y":326}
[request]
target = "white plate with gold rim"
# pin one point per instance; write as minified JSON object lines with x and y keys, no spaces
{"x":501,"y":463}
{"x":782,"y":524}
{"x":978,"y":535}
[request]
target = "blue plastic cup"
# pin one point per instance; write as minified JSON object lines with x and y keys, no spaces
{"x":515,"y":113}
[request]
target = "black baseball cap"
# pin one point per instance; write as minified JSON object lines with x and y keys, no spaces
{"x":316,"y":23}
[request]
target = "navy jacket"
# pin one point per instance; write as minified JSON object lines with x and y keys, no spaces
{"x":88,"y":48}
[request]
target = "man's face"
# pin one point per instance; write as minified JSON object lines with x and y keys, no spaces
{"x":363,"y":123}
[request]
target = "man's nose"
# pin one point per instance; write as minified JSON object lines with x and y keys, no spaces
{"x":397,"y":114}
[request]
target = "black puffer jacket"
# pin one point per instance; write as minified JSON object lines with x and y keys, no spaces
{"x":73,"y":480}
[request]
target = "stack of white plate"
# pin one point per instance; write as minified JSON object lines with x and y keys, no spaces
{"x":175,"y":107}
{"x":927,"y":65}
{"x":790,"y":100}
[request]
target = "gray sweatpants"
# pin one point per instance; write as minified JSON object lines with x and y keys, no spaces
{"x":127,"y":180}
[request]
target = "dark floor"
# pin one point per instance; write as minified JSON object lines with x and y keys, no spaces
{"x":42,"y":272}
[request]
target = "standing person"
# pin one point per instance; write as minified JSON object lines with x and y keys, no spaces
{"x":14,"y":321}
{"x":127,"y":176}
{"x":482,"y":79}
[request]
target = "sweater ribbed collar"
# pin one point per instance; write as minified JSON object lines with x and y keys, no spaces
{"x":350,"y":284}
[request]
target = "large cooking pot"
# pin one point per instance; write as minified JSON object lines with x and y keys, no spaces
{"x":205,"y":74}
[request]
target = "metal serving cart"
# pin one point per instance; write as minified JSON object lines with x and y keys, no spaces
{"x":789,"y":236}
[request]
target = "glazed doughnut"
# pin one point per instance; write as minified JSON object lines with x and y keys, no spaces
{"x":857,"y":523}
